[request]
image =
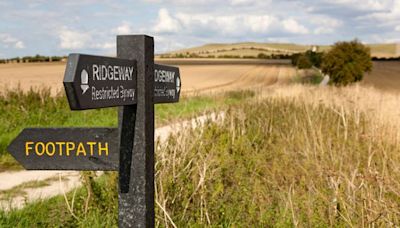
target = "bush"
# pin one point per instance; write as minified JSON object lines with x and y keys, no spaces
{"x":315,"y":58}
{"x":295,"y":59}
{"x":304,"y":62}
{"x":262,"y":56}
{"x":347,"y":62}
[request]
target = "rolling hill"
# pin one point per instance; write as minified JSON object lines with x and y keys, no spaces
{"x":253,"y":49}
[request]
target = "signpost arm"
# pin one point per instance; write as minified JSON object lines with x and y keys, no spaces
{"x":136,"y":203}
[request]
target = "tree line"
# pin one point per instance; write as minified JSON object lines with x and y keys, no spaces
{"x":33,"y":59}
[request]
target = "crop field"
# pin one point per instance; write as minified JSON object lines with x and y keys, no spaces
{"x":34,"y":75}
{"x":385,"y":76}
{"x":196,"y":77}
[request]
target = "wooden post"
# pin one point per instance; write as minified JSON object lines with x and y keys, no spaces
{"x":136,"y":194}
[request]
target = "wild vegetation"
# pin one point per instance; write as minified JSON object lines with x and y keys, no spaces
{"x":38,"y":108}
{"x":283,"y":160}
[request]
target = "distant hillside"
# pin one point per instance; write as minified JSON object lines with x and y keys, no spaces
{"x":253,"y":49}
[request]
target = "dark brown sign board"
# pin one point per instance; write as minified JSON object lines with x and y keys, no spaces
{"x":66,"y":148}
{"x":97,"y":82}
{"x":131,"y":81}
{"x":167,"y":84}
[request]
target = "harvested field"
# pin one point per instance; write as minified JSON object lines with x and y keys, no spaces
{"x":27,"y":75}
{"x":384,"y":76}
{"x":233,"y":77}
{"x":197,"y":75}
{"x":200,"y":75}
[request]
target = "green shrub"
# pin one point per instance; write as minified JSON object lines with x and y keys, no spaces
{"x":303,"y":62}
{"x":315,"y":58}
{"x":347,"y":62}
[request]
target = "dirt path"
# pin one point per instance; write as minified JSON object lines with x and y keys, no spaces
{"x":21,"y":187}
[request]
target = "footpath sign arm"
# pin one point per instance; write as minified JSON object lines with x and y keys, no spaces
{"x":66,"y":149}
{"x":136,"y":204}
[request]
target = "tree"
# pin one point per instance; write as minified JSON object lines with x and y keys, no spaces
{"x":347,"y":62}
{"x":303,"y":62}
{"x":315,"y":58}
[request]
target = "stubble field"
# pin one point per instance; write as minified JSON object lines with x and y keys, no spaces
{"x":199,"y":75}
{"x":385,"y":76}
{"x":196,"y":77}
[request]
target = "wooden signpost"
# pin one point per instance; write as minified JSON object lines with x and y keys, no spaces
{"x":131,"y":81}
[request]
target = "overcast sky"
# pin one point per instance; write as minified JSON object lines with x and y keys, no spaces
{"x":59,"y":27}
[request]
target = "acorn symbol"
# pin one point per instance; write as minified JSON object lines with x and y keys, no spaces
{"x":84,"y":81}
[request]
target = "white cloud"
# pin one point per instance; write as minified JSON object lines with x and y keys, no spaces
{"x":293,"y":26}
{"x":108,"y":45}
{"x":123,"y":29}
{"x":234,"y":25}
{"x":370,"y":5}
{"x":248,"y":2}
{"x":8,"y":40}
{"x":74,"y":39}
{"x":260,"y":24}
{"x":184,"y":2}
{"x":164,"y":44}
{"x":71,"y":39}
{"x":390,"y":13}
{"x":227,"y":24}
{"x":325,"y":24}
{"x":104,"y":45}
{"x":19,"y":45}
{"x":166,"y":23}
{"x":323,"y":30}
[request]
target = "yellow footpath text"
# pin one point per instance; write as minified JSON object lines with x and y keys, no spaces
{"x":66,"y":148}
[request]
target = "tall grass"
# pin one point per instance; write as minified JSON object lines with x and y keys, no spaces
{"x":276,"y":162}
{"x":280,"y":163}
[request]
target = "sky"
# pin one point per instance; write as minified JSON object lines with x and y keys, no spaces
{"x":59,"y":27}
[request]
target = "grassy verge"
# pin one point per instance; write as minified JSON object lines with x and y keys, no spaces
{"x":94,"y":205}
{"x":38,"y":108}
{"x":276,"y":163}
